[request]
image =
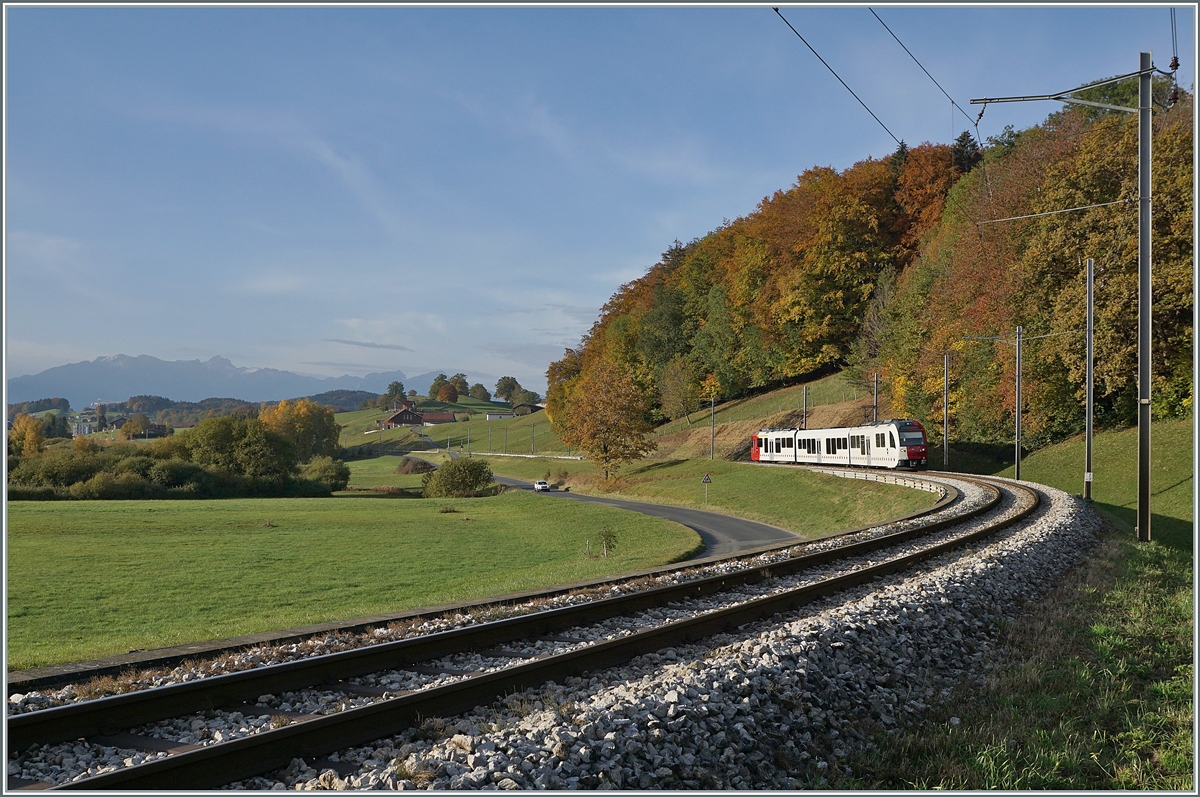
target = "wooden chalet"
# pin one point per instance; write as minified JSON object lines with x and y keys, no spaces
{"x":407,"y":416}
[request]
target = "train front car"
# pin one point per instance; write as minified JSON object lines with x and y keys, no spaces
{"x":912,"y":444}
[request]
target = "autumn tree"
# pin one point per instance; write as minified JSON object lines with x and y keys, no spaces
{"x":134,"y":426}
{"x":25,"y":437}
{"x":479,"y":392}
{"x":448,"y":393}
{"x":436,"y":385}
{"x":309,"y":426}
{"x":606,"y":418}
{"x":677,"y":389}
{"x":460,"y":384}
{"x":559,"y":377}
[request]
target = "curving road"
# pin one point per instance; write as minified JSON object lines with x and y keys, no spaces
{"x":722,"y":534}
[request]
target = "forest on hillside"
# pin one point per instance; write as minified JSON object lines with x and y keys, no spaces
{"x":883,"y":266}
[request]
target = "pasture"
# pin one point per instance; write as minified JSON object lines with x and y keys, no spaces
{"x":94,"y":578}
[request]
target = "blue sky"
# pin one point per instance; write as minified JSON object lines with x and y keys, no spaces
{"x":346,"y":190}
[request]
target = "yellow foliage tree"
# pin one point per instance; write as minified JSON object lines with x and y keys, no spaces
{"x":25,"y":438}
{"x":307,"y":425}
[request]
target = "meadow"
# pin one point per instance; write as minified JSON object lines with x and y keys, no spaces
{"x":93,"y":578}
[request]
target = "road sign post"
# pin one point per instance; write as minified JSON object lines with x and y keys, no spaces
{"x":706,"y":481}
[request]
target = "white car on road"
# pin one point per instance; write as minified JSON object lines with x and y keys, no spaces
{"x":541,"y":485}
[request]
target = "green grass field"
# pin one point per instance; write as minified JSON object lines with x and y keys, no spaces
{"x":1095,"y":687}
{"x":96,"y":578}
{"x":796,"y":500}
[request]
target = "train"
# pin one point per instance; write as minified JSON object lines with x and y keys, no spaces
{"x":885,"y":444}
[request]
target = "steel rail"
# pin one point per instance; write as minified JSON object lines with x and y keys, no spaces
{"x":223,"y":763}
{"x":106,"y":715}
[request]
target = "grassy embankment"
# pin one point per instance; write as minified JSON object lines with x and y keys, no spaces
{"x":96,"y":578}
{"x":1094,"y":688}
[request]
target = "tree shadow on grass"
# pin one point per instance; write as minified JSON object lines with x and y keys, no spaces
{"x":668,"y":463}
{"x":1171,"y":532}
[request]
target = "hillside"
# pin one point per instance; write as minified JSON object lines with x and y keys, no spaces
{"x":883,"y":266}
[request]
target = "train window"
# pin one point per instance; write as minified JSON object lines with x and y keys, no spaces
{"x":891,"y":441}
{"x":789,"y":443}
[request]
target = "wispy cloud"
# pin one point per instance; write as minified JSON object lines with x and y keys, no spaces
{"x":366,"y":345}
{"x":284,"y":128}
{"x":272,"y":284}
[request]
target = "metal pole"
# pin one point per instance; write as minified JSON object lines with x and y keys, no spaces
{"x":489,"y":439}
{"x":1144,"y":131}
{"x":946,"y":411}
{"x":505,"y":440}
{"x":532,"y":435}
{"x":468,"y":441}
{"x":712,"y":428}
{"x":1018,"y":450}
{"x":1087,"y":465}
{"x":804,"y":415}
{"x":875,"y":408}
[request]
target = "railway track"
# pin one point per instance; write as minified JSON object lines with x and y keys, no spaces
{"x":316,"y":706}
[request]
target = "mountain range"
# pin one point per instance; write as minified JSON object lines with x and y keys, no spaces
{"x":118,"y":377}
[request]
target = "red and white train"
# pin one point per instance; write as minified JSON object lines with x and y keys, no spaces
{"x":887,"y":444}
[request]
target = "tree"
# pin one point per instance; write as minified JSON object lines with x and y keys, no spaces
{"x":606,"y":418}
{"x":394,"y":391}
{"x":309,"y":427}
{"x":436,"y":385}
{"x":138,"y":424}
{"x":965,"y":152}
{"x":559,"y":378}
{"x":677,"y":389}
{"x":523,"y":396}
{"x":480,"y":393}
{"x":506,"y":387}
{"x":412,"y":394}
{"x":448,"y":393}
{"x":460,"y":383}
{"x":25,"y":438}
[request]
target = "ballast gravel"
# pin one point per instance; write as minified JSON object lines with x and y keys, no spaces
{"x":775,"y":706}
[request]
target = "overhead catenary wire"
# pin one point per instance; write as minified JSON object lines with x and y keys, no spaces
{"x":839,"y":79}
{"x":926,"y":71}
{"x":864,"y":105}
{"x":1127,"y":201}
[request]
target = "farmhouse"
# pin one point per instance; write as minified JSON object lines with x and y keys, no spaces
{"x":407,"y":416}
{"x":497,"y":416}
{"x":526,"y":409}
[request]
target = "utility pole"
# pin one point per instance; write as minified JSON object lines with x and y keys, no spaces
{"x":946,"y":411}
{"x":1144,"y":75}
{"x":875,"y":407}
{"x":712,"y":427}
{"x":1087,"y":465}
{"x":468,"y":441}
{"x":532,"y":435}
{"x":1018,"y":451}
{"x":505,"y":439}
{"x":489,"y":439}
{"x":1144,"y":136}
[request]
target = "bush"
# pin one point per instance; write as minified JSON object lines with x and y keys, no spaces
{"x":109,"y":486}
{"x":412,"y":465}
{"x":328,"y":471}
{"x":458,"y":478}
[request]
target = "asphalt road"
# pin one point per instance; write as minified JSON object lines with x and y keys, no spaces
{"x":722,"y":534}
